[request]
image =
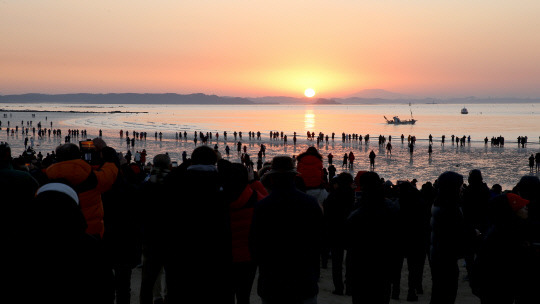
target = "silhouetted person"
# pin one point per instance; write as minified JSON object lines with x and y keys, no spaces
{"x":412,"y":240}
{"x":500,"y":270}
{"x":448,"y":238}
{"x":337,"y":208}
{"x":287,"y":254}
{"x":371,"y":243}
{"x":475,"y":205}
{"x":372,"y":160}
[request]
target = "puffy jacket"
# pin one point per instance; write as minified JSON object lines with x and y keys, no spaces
{"x":89,"y":184}
{"x":241,"y":214}
{"x":310,"y":168}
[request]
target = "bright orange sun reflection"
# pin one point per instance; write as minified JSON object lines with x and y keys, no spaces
{"x":309,"y":92}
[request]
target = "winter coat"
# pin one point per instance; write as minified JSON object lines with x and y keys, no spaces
{"x":122,"y":237}
{"x":285,"y":243}
{"x":448,"y":234}
{"x":371,"y":241}
{"x":200,"y":235}
{"x":499,"y":270}
{"x":337,"y":208}
{"x":310,"y":168}
{"x":89,"y":184}
{"x":241,"y":211}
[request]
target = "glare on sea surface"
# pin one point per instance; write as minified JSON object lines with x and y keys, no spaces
{"x":309,"y":92}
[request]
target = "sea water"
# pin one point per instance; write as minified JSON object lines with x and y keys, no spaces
{"x":503,"y":165}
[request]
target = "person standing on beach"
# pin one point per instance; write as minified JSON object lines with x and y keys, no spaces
{"x":531,"y":163}
{"x":448,"y":238}
{"x":372,"y":160}
{"x":351,"y":160}
{"x":241,"y":194}
{"x":337,"y":208}
{"x":88,"y":183}
{"x":345,"y":159}
{"x":288,"y":254}
{"x":500,"y":270}
{"x":331,"y":172}
{"x":389,"y":148}
{"x":330,"y":158}
{"x":371,"y":243}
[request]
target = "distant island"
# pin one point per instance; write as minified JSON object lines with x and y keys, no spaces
{"x":324,"y":101}
{"x":366,"y":97}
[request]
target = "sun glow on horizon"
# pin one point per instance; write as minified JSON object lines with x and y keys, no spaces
{"x":309,"y":92}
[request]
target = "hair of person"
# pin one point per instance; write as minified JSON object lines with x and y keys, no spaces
{"x":449,"y":185}
{"x":204,"y":155}
{"x":370,"y":181}
{"x":5,"y":153}
{"x":162,"y":161}
{"x":475,"y":177}
{"x":68,"y":151}
{"x":529,"y":187}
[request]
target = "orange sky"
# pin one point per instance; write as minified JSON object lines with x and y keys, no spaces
{"x":259,"y":48}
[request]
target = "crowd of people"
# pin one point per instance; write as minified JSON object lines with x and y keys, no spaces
{"x":77,"y":229}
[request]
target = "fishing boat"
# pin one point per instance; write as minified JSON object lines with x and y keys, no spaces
{"x":397,"y":121}
{"x":464,"y":111}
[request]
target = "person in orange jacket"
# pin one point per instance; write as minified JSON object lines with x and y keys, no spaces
{"x":89,"y":183}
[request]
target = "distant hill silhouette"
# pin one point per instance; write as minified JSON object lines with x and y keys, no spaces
{"x":323,"y":101}
{"x":124,"y":98}
{"x":379,"y":94}
{"x":203,"y":99}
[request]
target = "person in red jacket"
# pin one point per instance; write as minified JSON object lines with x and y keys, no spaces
{"x":241,"y":196}
{"x":310,"y":167}
{"x":89,"y":183}
{"x":351,"y":160}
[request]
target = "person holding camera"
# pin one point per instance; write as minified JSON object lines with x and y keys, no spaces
{"x":88,"y":181}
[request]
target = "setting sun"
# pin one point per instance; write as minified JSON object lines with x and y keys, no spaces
{"x":309,"y":92}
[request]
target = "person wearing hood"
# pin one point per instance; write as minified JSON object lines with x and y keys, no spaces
{"x":89,"y":183}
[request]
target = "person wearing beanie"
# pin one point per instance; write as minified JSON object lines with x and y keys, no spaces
{"x":499,"y":273}
{"x":75,"y":270}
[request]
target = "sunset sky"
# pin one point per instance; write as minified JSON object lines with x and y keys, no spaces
{"x":441,"y":48}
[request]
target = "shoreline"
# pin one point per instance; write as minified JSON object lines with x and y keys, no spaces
{"x":84,"y":112}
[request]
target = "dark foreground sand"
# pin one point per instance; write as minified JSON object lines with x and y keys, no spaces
{"x":326,"y":287}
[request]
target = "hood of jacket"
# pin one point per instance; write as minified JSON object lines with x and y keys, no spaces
{"x":74,"y":171}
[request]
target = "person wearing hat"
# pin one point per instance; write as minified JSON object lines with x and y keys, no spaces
{"x":499,"y":271}
{"x":287,"y":253}
{"x":75,"y":268}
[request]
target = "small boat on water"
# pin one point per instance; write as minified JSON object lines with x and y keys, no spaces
{"x":464,"y":111}
{"x":397,"y":121}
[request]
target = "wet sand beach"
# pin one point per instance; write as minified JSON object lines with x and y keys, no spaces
{"x":326,"y":287}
